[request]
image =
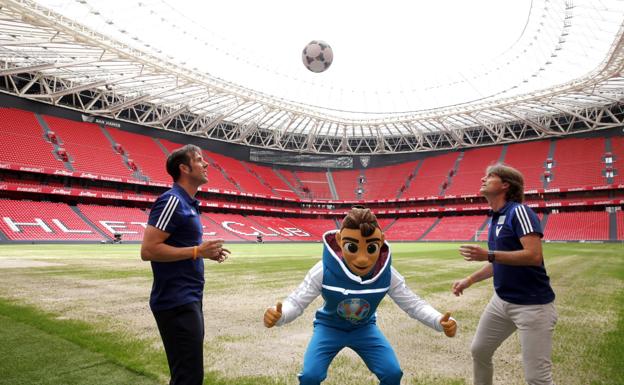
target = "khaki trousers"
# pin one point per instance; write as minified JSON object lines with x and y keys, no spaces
{"x":535,"y":325}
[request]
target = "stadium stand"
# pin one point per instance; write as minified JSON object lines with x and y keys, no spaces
{"x":216,"y":177}
{"x":144,"y":151}
{"x":409,"y":229}
{"x":24,"y":220}
{"x":315,"y":182}
{"x":347,"y":183}
{"x":533,"y":166}
{"x":283,"y":227}
{"x":410,"y":187}
{"x":87,"y":147}
{"x":617,"y":146}
{"x":432,"y":176}
{"x":389,"y":181}
{"x":239,"y":173}
{"x":24,"y":140}
{"x":278,"y":186}
{"x":588,"y":225}
{"x":316,"y":227}
{"x":130,"y":222}
{"x":243,"y":228}
{"x":578,"y":162}
{"x":471,"y":168}
{"x":456,"y":228}
{"x":620,"y":225}
{"x":384,"y":223}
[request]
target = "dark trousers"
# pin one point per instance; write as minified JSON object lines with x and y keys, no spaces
{"x":182,"y":332}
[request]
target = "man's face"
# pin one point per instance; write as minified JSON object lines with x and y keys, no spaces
{"x":198,"y":168}
{"x":492,"y":185}
{"x":360,"y":253}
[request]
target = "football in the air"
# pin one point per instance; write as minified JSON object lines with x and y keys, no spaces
{"x":317,"y":56}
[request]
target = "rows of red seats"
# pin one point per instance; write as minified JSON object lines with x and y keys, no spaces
{"x":47,"y":221}
{"x":216,"y":174}
{"x":346,"y":183}
{"x":144,"y":152}
{"x":576,"y":162}
{"x":617,"y":150}
{"x":314,"y":182}
{"x":23,"y":220}
{"x":236,"y":170}
{"x":24,"y":141}
{"x":88,"y":148}
{"x":432,"y":176}
{"x":530,"y":159}
{"x":387,"y":182}
{"x":273,"y":181}
{"x":409,"y":229}
{"x":456,"y":228}
{"x":591,"y":225}
{"x":620,"y":225}
{"x":467,"y":177}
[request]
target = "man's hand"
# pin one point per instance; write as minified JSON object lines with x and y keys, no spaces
{"x":213,"y":250}
{"x":459,"y":286}
{"x":272,"y":315}
{"x":473,"y":253}
{"x":449,"y":325}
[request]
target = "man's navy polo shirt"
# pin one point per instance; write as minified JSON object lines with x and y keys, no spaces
{"x":522,"y":285}
{"x":181,"y":282}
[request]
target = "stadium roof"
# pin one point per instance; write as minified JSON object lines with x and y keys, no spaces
{"x":406,"y":77}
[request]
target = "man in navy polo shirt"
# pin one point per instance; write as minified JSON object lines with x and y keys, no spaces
{"x":523,"y":298}
{"x":173,"y":244}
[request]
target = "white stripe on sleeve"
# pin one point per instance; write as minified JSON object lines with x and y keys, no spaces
{"x":526,"y":215}
{"x":167,"y":213}
{"x":521,"y":220}
{"x":523,"y":217}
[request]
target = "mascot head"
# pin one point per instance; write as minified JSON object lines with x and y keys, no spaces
{"x":360,"y":239}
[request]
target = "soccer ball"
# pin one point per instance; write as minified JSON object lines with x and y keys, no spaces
{"x":317,"y":56}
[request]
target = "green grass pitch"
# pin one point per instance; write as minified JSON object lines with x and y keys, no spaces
{"x":77,"y":314}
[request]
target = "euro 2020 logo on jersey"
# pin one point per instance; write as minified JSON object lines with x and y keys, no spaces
{"x":353,"y":310}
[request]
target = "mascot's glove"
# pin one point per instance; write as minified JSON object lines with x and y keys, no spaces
{"x":272,"y":315}
{"x":449,"y":325}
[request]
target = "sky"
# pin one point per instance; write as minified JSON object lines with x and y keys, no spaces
{"x":389,"y":56}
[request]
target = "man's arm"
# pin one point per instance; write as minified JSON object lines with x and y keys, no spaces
{"x":530,"y":255}
{"x":155,"y":249}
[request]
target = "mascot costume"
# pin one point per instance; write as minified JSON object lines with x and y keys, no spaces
{"x":354,"y":275}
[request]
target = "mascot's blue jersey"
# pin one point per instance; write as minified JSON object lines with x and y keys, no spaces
{"x":350,"y":300}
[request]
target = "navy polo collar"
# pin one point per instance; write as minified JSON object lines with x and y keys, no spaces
{"x":183,"y":194}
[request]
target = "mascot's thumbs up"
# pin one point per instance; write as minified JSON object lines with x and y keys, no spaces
{"x":449,"y":325}
{"x":272,"y":315}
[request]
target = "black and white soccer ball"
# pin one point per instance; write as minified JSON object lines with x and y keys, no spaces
{"x":317,"y":56}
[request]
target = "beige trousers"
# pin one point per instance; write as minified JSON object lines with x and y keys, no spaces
{"x":535,"y":325}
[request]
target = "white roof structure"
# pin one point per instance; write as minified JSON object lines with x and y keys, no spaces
{"x":410,"y":84}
